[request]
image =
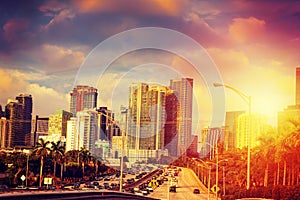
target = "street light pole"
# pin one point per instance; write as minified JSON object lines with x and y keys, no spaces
{"x":224,"y":180}
{"x":27,"y":161}
{"x":247,"y":99}
{"x":122,"y":162}
{"x":208,"y":187}
{"x":217,"y":171}
{"x":217,"y":164}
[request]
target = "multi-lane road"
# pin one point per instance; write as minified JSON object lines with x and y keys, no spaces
{"x":187,"y":182}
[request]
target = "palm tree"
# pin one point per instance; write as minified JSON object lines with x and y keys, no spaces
{"x":57,"y":151}
{"x":62,"y":162}
{"x":41,"y":149}
{"x":96,"y":162}
{"x":267,"y":148}
{"x":84,"y":157}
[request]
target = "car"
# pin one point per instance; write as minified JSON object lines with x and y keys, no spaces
{"x":95,"y":183}
{"x":172,"y":189}
{"x":145,"y":192}
{"x":196,"y":191}
{"x":138,"y":193}
{"x":4,"y":188}
{"x":100,"y":187}
{"x":150,"y":189}
{"x":21,"y":187}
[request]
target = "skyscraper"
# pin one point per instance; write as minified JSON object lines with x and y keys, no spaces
{"x":147,"y":116}
{"x":39,"y":128}
{"x":106,"y":118}
{"x":183,"y":88}
{"x":259,"y":126}
{"x":230,"y":128}
{"x":292,"y":112}
{"x":82,"y":131}
{"x":58,"y":122}
{"x":83,"y":97}
{"x":26,"y":115}
{"x":146,"y":121}
{"x":3,"y":132}
{"x":171,"y":125}
{"x":19,"y":113}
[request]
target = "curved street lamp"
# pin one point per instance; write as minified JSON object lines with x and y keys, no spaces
{"x":247,"y":99}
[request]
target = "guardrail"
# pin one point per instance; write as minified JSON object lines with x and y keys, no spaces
{"x":74,"y":195}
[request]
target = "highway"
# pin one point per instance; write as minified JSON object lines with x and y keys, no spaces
{"x":187,"y":182}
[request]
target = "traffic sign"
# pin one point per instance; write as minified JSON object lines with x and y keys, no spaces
{"x":215,"y":189}
{"x":23,"y":177}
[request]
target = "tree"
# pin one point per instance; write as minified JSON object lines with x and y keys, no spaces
{"x":84,"y":157}
{"x":57,"y":152}
{"x":41,"y":149}
{"x":267,"y":149}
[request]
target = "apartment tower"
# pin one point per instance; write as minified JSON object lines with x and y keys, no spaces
{"x":83,"y":97}
{"x":183,"y":89}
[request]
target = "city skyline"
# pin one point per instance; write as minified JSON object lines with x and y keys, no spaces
{"x":255,"y":50}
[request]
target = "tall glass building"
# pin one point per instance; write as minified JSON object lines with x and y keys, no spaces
{"x":83,"y":97}
{"x":18,"y":114}
{"x":183,"y":89}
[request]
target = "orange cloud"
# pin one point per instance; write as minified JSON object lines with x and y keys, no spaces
{"x":14,"y":82}
{"x":247,"y":29}
{"x":155,"y":7}
{"x":55,"y":58}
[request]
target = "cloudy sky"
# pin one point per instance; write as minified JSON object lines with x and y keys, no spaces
{"x":254,"y":45}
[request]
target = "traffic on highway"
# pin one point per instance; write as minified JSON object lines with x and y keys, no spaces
{"x":159,"y":182}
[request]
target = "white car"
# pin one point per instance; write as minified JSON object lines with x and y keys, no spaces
{"x":150,"y":189}
{"x":138,"y":193}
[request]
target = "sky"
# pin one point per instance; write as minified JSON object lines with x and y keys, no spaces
{"x":254,"y":46}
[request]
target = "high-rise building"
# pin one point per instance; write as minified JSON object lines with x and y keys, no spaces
{"x":87,"y":128}
{"x":171,"y":125}
{"x":12,"y":112}
{"x":183,"y":88}
{"x":19,"y":113}
{"x":192,"y":151}
{"x":292,"y":112}
{"x":259,"y":126}
{"x":39,"y":128}
{"x":230,"y":128}
{"x":58,"y":123}
{"x":72,"y":137}
{"x":147,"y":117}
{"x":107,"y":123}
{"x":26,"y":115}
{"x":82,"y":131}
{"x":83,"y":97}
{"x":210,"y":139}
{"x":3,"y":133}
